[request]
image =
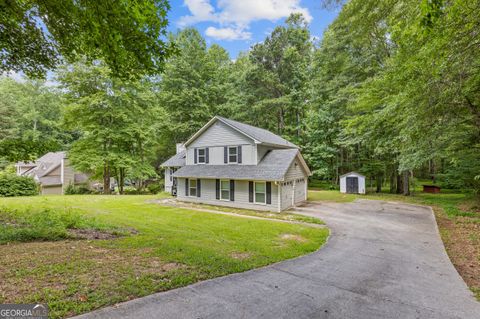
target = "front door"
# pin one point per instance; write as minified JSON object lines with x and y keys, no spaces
{"x":352,"y":185}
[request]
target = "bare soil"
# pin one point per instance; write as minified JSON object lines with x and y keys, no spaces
{"x":461,"y":237}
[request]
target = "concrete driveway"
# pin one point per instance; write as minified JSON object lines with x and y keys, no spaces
{"x":383,"y":260}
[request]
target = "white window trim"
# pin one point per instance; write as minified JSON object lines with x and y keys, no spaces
{"x":228,"y":181}
{"x":190,"y":187}
{"x":204,"y":156}
{"x":236,"y":154}
{"x":255,"y":193}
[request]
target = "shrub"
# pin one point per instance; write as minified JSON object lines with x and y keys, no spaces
{"x":12,"y":185}
{"x":155,"y":188}
{"x":46,"y":224}
{"x":77,"y":190}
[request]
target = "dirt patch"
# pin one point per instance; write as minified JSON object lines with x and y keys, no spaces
{"x":461,"y":236}
{"x":240,"y":256}
{"x":293,"y":237}
{"x":91,"y":234}
{"x":66,"y":271}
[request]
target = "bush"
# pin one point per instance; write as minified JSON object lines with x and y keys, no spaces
{"x":155,"y":188}
{"x":77,"y":190}
{"x":46,"y":224}
{"x":12,"y":185}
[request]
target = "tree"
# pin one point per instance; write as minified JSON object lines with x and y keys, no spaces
{"x":193,"y":85}
{"x":30,"y":120}
{"x":35,"y":36}
{"x":116,"y":121}
{"x":279,"y":77}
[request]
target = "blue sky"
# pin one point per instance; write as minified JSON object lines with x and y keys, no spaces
{"x":238,"y":24}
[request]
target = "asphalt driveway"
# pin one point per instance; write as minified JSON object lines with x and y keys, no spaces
{"x":383,"y":260}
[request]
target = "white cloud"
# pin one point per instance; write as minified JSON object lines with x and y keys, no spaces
{"x":234,"y":16}
{"x":227,"y":33}
{"x":201,"y":10}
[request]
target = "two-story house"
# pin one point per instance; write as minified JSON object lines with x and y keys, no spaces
{"x":229,"y":163}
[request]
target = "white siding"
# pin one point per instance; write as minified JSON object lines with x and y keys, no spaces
{"x":286,"y":200}
{"x":216,"y":137}
{"x":52,"y":190}
{"x":295,"y":171}
{"x":208,"y":196}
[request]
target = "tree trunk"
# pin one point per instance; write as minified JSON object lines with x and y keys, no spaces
{"x":106,"y":178}
{"x":399,"y":184}
{"x":392,"y":182}
{"x":379,"y":183}
{"x":405,"y":182}
{"x":121,"y":182}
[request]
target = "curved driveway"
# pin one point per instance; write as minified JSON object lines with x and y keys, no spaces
{"x":383,"y":260}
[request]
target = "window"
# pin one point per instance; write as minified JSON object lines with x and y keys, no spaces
{"x":171,"y":173}
{"x":225,"y":190}
{"x":202,"y":157}
{"x":193,"y":187}
{"x":233,"y":154}
{"x":260,"y":192}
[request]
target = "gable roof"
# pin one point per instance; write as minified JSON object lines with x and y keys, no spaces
{"x":259,"y":135}
{"x":177,"y":160}
{"x":352,"y":173}
{"x":273,"y":167}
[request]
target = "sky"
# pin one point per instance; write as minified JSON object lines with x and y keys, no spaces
{"x":238,"y":24}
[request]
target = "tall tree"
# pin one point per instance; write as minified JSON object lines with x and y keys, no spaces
{"x":279,"y":78}
{"x":116,"y":121}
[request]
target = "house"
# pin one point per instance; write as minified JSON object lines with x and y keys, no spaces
{"x":53,"y":173}
{"x":229,"y":163}
{"x":352,"y":183}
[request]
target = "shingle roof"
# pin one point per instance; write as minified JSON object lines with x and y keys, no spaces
{"x":177,"y":160}
{"x":259,"y":134}
{"x":272,"y":167}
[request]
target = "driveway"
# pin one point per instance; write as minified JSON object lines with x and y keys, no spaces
{"x":383,"y":260}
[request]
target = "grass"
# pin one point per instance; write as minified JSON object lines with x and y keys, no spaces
{"x":173,"y":248}
{"x":458,"y":218}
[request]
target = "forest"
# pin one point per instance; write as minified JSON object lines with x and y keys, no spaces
{"x":392,"y":90}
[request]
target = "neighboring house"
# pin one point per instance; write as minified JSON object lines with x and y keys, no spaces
{"x":352,"y":183}
{"x":230,"y":163}
{"x":53,"y":172}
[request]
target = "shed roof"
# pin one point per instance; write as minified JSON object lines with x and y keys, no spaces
{"x":352,"y":173}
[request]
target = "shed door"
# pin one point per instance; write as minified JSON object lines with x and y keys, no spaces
{"x":352,"y":185}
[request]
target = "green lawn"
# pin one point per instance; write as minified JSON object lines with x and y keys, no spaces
{"x":173,"y":247}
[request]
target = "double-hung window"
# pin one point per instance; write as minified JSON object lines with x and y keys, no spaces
{"x":260,"y":190}
{"x":233,"y":154}
{"x":225,"y":190}
{"x":202,"y":155}
{"x":192,"y":187}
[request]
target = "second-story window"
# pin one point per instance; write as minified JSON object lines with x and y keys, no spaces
{"x":202,"y":157}
{"x":233,"y":154}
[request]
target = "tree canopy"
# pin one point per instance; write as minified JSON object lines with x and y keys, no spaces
{"x":35,"y":36}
